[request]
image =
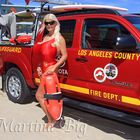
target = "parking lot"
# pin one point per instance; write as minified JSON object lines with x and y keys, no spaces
{"x":27,"y":122}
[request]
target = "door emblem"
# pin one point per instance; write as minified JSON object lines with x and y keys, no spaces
{"x":110,"y":72}
{"x":99,"y":75}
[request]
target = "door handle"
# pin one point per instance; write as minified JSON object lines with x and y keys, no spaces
{"x":81,"y":59}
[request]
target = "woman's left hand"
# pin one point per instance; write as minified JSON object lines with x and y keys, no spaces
{"x":39,"y":71}
{"x":50,"y":70}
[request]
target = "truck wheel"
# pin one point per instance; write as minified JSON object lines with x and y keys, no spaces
{"x":16,"y":87}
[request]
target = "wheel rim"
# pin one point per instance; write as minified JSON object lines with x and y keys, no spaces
{"x":14,"y":86}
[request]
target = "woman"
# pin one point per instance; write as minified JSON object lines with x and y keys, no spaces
{"x":52,"y":45}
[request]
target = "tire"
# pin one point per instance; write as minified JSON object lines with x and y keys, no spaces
{"x":16,"y":87}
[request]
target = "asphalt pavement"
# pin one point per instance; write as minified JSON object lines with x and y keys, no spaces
{"x":27,"y":121}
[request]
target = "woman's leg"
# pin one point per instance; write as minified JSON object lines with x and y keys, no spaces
{"x":40,"y":98}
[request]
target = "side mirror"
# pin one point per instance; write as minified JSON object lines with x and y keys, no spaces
{"x":125,"y":43}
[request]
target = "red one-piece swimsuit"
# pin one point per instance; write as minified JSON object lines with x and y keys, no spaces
{"x":48,"y":54}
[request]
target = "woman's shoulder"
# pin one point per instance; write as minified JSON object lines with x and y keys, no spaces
{"x":62,"y":38}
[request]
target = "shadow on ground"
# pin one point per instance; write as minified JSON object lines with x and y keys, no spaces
{"x":123,"y":130}
{"x":109,"y":126}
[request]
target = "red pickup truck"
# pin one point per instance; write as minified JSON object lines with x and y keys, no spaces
{"x":102,"y":70}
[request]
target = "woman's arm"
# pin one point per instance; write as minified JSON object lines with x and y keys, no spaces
{"x":63,"y":52}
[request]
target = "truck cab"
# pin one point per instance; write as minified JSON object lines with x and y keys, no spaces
{"x":103,"y":62}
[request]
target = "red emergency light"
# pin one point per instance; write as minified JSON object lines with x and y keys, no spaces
{"x":27,"y":1}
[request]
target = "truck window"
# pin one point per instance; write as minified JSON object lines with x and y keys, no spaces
{"x":135,"y":20}
{"x":21,"y":25}
{"x":101,"y":33}
{"x":24,"y":28}
{"x":67,"y":30}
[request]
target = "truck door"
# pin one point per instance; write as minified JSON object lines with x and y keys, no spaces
{"x":97,"y":71}
{"x":112,"y":76}
{"x":71,"y":73}
{"x":67,"y":30}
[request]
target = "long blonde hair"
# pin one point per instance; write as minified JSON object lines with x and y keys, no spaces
{"x":57,"y":28}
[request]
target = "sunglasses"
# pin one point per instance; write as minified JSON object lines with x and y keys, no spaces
{"x":49,"y":23}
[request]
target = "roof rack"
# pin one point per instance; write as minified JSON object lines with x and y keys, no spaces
{"x":58,"y":2}
{"x":90,"y":11}
{"x":76,"y":9}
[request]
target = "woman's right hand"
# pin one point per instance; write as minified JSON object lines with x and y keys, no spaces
{"x":39,"y":71}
